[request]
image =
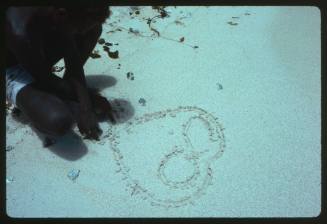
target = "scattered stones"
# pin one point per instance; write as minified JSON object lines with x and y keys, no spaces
{"x":73,"y":174}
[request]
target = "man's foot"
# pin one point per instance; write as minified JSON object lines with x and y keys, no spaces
{"x":16,"y":112}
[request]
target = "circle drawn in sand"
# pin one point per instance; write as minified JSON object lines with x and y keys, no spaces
{"x":171,"y":180}
{"x":168,"y":170}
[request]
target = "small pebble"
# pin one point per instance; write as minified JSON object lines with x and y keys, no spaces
{"x":57,"y":68}
{"x":232,"y":23}
{"x":9,"y":148}
{"x":130,"y":75}
{"x":142,"y":101}
{"x":9,"y":180}
{"x":101,"y":41}
{"x":114,"y":54}
{"x":73,"y":174}
{"x":95,"y":54}
{"x":219,"y":86}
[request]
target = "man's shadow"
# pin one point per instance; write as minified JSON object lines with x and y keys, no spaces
{"x":100,"y":82}
{"x":71,"y":146}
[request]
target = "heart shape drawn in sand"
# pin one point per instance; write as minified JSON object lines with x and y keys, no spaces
{"x":165,"y":156}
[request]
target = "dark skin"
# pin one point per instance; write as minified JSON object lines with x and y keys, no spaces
{"x":37,"y":38}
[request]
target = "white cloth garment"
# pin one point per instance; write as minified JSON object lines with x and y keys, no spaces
{"x":16,"y":78}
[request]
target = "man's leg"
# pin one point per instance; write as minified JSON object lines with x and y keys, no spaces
{"x":47,"y":113}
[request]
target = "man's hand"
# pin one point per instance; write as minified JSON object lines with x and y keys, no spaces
{"x":101,"y":105}
{"x":88,"y":125}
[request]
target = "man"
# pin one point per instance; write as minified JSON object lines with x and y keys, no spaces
{"x":36,"y":39}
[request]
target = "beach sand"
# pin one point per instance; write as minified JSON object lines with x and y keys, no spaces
{"x":219,"y":116}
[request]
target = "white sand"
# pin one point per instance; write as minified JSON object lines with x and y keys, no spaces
{"x":259,"y":77}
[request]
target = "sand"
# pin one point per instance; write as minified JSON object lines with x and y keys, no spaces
{"x":219,"y":116}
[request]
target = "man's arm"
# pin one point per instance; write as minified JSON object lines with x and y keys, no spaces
{"x":74,"y":67}
{"x":25,"y":43}
{"x":88,"y":124}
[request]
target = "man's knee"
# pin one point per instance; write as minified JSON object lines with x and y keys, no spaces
{"x":60,"y":122}
{"x":53,"y":117}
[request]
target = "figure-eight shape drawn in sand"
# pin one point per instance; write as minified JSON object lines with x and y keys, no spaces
{"x":165,"y":157}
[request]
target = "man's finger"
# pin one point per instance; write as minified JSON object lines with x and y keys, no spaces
{"x":111,"y":118}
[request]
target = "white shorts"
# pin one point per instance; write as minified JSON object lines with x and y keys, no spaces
{"x":16,"y":78}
